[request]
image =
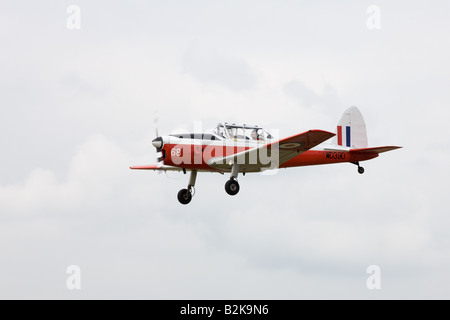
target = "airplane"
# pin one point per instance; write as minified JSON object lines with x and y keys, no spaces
{"x":234,"y":149}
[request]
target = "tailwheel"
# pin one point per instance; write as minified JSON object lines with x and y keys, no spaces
{"x":184,"y":196}
{"x":232,"y":187}
{"x":360,"y":169}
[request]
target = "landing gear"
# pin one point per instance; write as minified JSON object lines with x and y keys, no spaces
{"x":185,"y":195}
{"x":360,"y":169}
{"x":232,"y":187}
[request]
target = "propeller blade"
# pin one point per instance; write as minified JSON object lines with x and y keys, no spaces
{"x":155,"y":121}
{"x":157,"y":142}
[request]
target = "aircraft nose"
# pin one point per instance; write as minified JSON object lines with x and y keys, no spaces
{"x":157,"y":143}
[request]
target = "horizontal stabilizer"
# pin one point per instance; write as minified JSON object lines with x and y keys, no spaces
{"x":374,"y":150}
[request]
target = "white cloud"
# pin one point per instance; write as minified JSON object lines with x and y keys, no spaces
{"x":211,"y":67}
{"x":77,"y":110}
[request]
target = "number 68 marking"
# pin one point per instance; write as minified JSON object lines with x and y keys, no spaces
{"x":175,"y":152}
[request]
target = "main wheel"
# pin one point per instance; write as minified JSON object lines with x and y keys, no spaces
{"x":361,"y":170}
{"x":232,"y":187}
{"x":184,"y":196}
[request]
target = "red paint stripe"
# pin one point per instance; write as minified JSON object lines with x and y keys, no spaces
{"x":339,"y":134}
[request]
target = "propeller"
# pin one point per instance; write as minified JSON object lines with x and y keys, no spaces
{"x":155,"y":122}
{"x":158,"y":142}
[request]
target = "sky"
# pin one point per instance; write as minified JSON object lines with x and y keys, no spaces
{"x":79,"y":92}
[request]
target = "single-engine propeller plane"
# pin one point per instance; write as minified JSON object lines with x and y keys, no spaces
{"x":235,"y":149}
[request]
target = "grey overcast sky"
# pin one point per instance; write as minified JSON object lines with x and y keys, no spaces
{"x":77,"y":109}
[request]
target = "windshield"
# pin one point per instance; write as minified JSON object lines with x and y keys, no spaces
{"x":242,"y":132}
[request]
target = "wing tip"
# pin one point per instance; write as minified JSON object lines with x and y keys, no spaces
{"x":149,"y":167}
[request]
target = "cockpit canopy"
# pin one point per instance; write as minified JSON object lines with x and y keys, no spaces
{"x":241,"y":132}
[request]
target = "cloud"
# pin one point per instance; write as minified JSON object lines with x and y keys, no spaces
{"x":126,"y":230}
{"x":209,"y":66}
{"x":306,"y":234}
{"x":80,"y":85}
{"x":328,"y":99}
{"x":73,"y":116}
{"x":92,"y":177}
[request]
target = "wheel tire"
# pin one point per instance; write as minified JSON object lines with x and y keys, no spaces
{"x":184,"y":196}
{"x":232,"y":187}
{"x":361,"y":170}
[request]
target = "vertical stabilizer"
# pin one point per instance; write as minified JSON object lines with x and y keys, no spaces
{"x":351,"y":129}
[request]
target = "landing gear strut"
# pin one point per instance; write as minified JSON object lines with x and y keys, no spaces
{"x":185,"y":195}
{"x":360,"y":169}
{"x":232,"y":186}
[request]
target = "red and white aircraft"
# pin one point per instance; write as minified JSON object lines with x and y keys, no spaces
{"x":242,"y":149}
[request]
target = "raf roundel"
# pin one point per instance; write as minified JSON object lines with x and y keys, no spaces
{"x":290,"y":145}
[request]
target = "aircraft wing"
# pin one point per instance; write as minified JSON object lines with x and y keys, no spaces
{"x":273,"y":154}
{"x":165,"y":168}
{"x":155,"y":167}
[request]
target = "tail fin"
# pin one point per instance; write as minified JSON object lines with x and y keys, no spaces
{"x":351,"y":129}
